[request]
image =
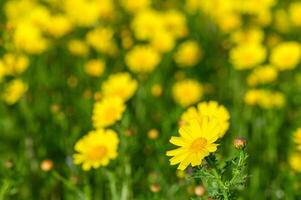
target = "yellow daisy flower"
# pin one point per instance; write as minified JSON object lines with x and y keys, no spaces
{"x":187,"y":92}
{"x":196,"y":141}
{"x":210,"y":109}
{"x":96,"y":149}
{"x":107,"y":111}
{"x":121,"y":85}
{"x":295,"y":162}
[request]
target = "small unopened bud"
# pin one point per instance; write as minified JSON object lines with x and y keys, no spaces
{"x":240,"y":143}
{"x":153,"y":134}
{"x":46,"y":165}
{"x":155,"y":187}
{"x":199,"y":190}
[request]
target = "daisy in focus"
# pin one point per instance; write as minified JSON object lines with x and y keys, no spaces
{"x":196,"y":141}
{"x":96,"y":149}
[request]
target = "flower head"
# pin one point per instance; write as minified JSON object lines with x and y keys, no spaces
{"x":107,"y":111}
{"x":286,"y":55}
{"x":188,"y":55}
{"x":96,"y":149}
{"x":187,"y":92}
{"x":210,"y":109}
{"x":246,"y":56}
{"x":295,"y":161}
{"x":197,"y":140}
{"x":95,"y":67}
{"x":14,"y":91}
{"x":142,"y":59}
{"x":120,"y":85}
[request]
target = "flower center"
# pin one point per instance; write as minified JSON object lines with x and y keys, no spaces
{"x":97,"y":153}
{"x":198,"y":144}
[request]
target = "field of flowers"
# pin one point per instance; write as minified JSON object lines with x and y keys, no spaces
{"x":150,"y":99}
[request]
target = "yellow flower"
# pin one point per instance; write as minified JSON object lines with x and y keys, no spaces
{"x":281,"y":20}
{"x":78,"y":48}
{"x":15,"y":64}
{"x":134,"y":6}
{"x":286,"y":55}
{"x":163,"y":41}
{"x":250,"y":36}
{"x":106,"y":9}
{"x":297,"y":138}
{"x":146,"y":23}
{"x":295,"y":13}
{"x":142,"y":59}
{"x":295,"y":161}
{"x":101,"y":39}
{"x":58,"y":26}
{"x":82,"y":12}
{"x":262,"y":75}
{"x":95,"y":67}
{"x":188,"y":54}
{"x":107,"y":112}
{"x":246,"y":56}
{"x":175,"y":23}
{"x":187,"y":92}
{"x":264,"y":98}
{"x":29,"y":38}
{"x":96,"y":149}
{"x":14,"y":91}
{"x":119,"y":85}
{"x":196,"y":141}
{"x":212,"y":110}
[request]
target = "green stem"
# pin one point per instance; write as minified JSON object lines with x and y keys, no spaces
{"x":68,"y":184}
{"x":217,"y":176}
{"x":112,"y":181}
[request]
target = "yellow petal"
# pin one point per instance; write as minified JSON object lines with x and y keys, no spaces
{"x":175,"y":152}
{"x":179,"y":141}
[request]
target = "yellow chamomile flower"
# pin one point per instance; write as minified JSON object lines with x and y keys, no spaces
{"x":78,"y":47}
{"x":247,"y":56}
{"x":175,"y":23}
{"x":163,"y":41}
{"x":188,"y":54}
{"x":146,"y":23}
{"x":187,"y":92}
{"x":295,"y":13}
{"x":297,"y":138}
{"x":95,"y":67}
{"x":135,"y":5}
{"x":196,"y":141}
{"x":107,"y":111}
{"x":142,"y":59}
{"x":28,"y":38}
{"x":89,"y":11}
{"x":13,"y":91}
{"x":15,"y":64}
{"x":212,"y":110}
{"x":251,"y":35}
{"x":102,"y":40}
{"x":58,"y":26}
{"x":262,"y":75}
{"x":286,"y":55}
{"x":295,"y":161}
{"x":264,"y":98}
{"x":96,"y":149}
{"x":120,"y":85}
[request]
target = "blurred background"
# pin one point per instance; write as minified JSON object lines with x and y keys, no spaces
{"x":56,"y":55}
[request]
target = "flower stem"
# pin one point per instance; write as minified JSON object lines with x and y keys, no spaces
{"x":218,"y":178}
